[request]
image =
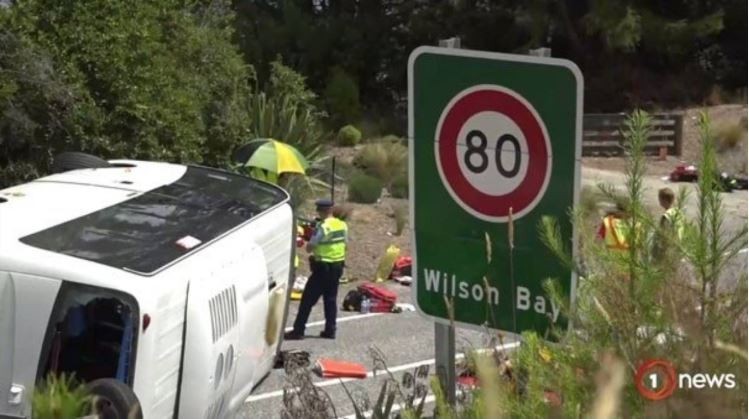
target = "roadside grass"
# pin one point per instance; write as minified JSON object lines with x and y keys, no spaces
{"x":728,"y":136}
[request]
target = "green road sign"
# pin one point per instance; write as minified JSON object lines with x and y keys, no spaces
{"x":494,"y":137}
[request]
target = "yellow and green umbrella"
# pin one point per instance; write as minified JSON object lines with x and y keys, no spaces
{"x":271,"y":155}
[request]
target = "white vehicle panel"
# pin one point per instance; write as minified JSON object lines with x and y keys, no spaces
{"x":32,"y":298}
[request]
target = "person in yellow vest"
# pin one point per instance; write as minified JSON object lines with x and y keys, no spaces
{"x":328,"y":248}
{"x":264,"y":175}
{"x":671,"y":226}
{"x":672,"y":218}
{"x":299,"y":243}
{"x":614,"y":230}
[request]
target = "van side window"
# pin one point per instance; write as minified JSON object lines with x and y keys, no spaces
{"x":92,"y":333}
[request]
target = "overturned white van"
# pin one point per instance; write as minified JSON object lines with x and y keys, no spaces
{"x":163,"y":287}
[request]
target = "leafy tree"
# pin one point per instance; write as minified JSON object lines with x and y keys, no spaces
{"x":153,"y":80}
{"x":656,"y":52}
{"x":342,"y":98}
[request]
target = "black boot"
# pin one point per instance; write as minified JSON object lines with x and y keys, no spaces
{"x":293,"y":335}
{"x":327,"y":335}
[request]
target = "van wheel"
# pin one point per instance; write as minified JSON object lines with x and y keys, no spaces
{"x":76,"y":160}
{"x":114,"y":400}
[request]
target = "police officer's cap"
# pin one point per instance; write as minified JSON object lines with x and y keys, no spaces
{"x":323,"y":203}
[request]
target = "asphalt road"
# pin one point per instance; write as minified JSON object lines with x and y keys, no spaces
{"x":406,"y":340}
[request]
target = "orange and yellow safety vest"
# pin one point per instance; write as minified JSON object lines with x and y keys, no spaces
{"x":616,"y":234}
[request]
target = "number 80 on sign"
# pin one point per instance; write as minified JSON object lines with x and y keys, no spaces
{"x":493,"y":152}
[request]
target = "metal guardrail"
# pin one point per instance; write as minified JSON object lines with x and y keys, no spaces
{"x":603,"y":134}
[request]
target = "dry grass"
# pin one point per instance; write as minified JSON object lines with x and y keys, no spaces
{"x":385,"y":160}
{"x":400,"y":214}
{"x":728,"y":136}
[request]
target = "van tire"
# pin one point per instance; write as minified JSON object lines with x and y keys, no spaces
{"x":113,"y":399}
{"x":72,"y":160}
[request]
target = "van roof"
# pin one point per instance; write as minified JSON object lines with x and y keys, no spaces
{"x":138,"y":216}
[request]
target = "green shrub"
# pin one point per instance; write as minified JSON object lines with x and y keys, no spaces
{"x":728,"y":136}
{"x":286,"y":111}
{"x":59,"y":398}
{"x":399,"y":187}
{"x":364,"y":189}
{"x":342,"y":98}
{"x":349,"y":136}
{"x":385,"y":159}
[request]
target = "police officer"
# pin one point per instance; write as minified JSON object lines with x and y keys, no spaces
{"x":328,"y":248}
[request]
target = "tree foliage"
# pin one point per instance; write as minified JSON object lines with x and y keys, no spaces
{"x":632,"y":52}
{"x":152,"y":79}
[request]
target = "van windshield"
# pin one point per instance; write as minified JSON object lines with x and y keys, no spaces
{"x":153,"y":229}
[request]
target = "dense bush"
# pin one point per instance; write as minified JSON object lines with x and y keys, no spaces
{"x":342,"y":98}
{"x":399,"y":188}
{"x":285,"y":110}
{"x":152,"y":80}
{"x":349,"y":136}
{"x":385,"y":159}
{"x":364,"y":189}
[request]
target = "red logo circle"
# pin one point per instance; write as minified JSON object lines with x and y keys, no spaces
{"x":655,"y":379}
{"x":490,"y":193}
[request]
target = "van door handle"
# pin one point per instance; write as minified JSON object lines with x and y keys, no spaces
{"x":271,"y":283}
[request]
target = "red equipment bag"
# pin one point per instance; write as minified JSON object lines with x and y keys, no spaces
{"x":402,"y":266}
{"x":382,"y":300}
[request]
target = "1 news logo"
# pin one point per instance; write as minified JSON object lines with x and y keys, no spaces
{"x":657,"y":379}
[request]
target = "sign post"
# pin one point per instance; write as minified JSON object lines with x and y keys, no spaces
{"x":495,"y":146}
{"x":444,"y":334}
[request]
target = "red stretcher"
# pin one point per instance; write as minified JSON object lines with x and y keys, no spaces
{"x":331,"y":368}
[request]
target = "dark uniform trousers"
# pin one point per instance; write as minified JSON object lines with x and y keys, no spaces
{"x":322,"y":282}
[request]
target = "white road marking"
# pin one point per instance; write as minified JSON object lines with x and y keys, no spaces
{"x":332,"y":381}
{"x":430,"y":398}
{"x":396,"y":407}
{"x":339,"y":320}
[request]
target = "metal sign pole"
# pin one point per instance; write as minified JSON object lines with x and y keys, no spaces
{"x":444,"y":334}
{"x":444,"y":359}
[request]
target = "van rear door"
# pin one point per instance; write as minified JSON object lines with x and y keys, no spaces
{"x":25,"y":305}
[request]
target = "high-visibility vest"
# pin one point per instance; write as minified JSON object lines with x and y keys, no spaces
{"x":299,"y":232}
{"x":264,"y":175}
{"x":332,"y":247}
{"x":616,"y":236}
{"x":676,"y":219}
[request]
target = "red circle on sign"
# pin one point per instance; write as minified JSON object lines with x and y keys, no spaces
{"x":669,"y":383}
{"x":493,"y":99}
